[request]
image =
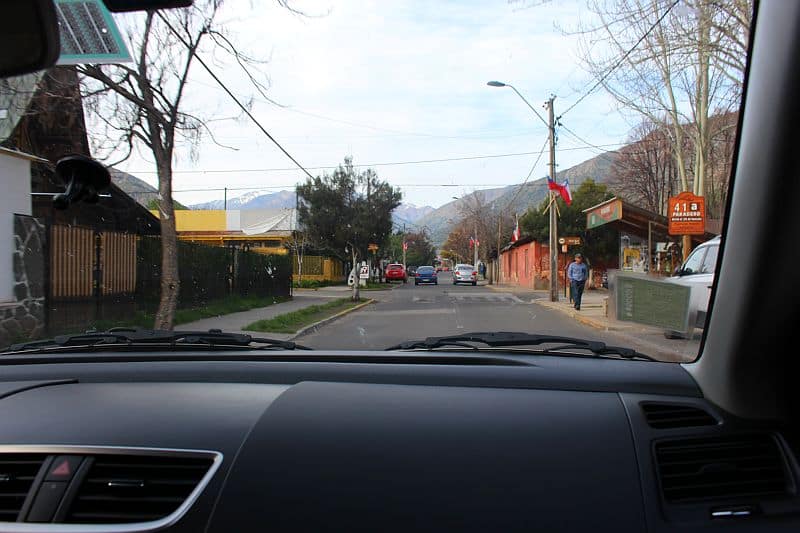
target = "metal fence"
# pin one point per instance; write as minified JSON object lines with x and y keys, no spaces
{"x":108,"y":276}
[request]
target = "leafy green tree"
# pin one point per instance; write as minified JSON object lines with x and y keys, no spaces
{"x":346,"y":211}
{"x":420,"y":249}
{"x":154,"y":204}
{"x":599,"y":245}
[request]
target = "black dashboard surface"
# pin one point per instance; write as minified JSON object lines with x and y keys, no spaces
{"x":552,"y":444}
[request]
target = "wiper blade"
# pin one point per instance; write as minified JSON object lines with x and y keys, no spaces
{"x":514,"y":338}
{"x":145,"y":337}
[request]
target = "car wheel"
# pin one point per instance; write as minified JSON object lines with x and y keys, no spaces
{"x":435,"y":282}
{"x":416,"y":283}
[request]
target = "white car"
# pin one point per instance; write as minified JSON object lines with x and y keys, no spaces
{"x":697,"y":273}
{"x":465,"y":274}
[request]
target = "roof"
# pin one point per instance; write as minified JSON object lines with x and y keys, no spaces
{"x":268,"y":221}
{"x":639,"y":221}
{"x":21,"y":155}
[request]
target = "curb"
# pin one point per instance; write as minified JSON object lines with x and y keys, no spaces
{"x":316,"y":325}
{"x":597,"y":324}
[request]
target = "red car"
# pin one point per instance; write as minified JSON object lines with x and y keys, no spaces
{"x":396,"y":272}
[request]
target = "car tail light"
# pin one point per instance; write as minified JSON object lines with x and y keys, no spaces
{"x":474,"y":273}
{"x":417,"y":274}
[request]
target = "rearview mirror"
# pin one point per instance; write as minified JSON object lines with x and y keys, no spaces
{"x":29,"y":37}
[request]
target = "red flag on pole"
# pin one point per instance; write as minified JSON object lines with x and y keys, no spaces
{"x":515,"y":233}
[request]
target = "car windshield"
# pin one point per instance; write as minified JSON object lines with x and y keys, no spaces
{"x":262,"y":167}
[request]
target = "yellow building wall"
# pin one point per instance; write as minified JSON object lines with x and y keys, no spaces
{"x":201,"y":220}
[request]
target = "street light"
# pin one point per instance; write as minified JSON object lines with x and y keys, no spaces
{"x":553,"y":223}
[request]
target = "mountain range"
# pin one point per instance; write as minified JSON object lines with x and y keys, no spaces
{"x":514,"y":198}
{"x":436,"y":221}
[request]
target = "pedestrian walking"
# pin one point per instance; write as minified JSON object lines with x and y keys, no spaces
{"x":577,"y":273}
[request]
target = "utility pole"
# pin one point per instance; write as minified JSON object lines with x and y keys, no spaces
{"x":475,"y":245}
{"x":225,"y":200}
{"x":404,"y":246}
{"x":553,"y":220}
{"x":496,"y":279}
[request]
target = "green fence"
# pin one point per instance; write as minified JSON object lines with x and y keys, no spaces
{"x":210,"y":272}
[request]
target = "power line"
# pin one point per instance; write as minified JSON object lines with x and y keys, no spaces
{"x":235,"y":99}
{"x":378,"y":164}
{"x":519,"y":189}
{"x":621,"y":60}
{"x":293,"y":185}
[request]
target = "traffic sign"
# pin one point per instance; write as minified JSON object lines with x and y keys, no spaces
{"x":372,"y":247}
{"x":364,"y":273}
{"x":687,"y":214}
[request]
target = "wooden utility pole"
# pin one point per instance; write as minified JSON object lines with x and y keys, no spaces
{"x":553,"y":219}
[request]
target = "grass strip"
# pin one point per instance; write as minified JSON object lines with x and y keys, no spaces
{"x":222,"y":306}
{"x":296,"y":320}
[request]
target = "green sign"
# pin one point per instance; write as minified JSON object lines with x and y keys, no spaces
{"x":652,"y":302}
{"x":88,"y":34}
{"x":604,"y":213}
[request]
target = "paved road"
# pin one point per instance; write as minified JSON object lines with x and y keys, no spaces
{"x":410,"y":312}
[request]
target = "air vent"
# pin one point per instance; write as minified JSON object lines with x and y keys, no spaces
{"x":721,"y":468}
{"x":673,"y":415}
{"x":17,"y":471}
{"x":123,"y":489}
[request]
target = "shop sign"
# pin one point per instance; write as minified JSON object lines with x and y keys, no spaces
{"x":687,"y":214}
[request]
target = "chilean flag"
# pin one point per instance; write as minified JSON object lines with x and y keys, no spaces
{"x":515,"y":233}
{"x":562,"y":189}
{"x":565,"y":192}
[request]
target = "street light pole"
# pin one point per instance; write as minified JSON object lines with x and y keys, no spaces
{"x":553,"y":220}
{"x":553,"y":244}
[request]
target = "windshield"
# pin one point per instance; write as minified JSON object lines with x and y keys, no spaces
{"x":273,"y":165}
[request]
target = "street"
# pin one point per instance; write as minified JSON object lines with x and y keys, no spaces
{"x":414,"y":312}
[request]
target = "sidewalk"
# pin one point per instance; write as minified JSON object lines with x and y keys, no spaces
{"x":593,"y":314}
{"x":235,"y":322}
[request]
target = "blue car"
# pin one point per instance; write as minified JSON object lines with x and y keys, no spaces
{"x":426,"y":274}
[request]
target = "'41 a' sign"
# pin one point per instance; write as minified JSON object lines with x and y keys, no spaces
{"x":687,"y":214}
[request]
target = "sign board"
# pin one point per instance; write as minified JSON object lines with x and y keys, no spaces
{"x":364,"y":272}
{"x":644,"y":300}
{"x":572,"y":241}
{"x":687,"y":214}
{"x":372,"y":247}
{"x":604,"y":213}
{"x":562,"y":240}
{"x":563,"y":247}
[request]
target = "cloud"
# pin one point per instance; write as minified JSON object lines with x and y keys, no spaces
{"x":411,"y":78}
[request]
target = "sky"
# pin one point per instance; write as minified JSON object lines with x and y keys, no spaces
{"x":393,"y":82}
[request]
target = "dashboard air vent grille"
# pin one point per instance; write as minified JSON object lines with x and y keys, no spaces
{"x":721,"y":468}
{"x":672,"y":415}
{"x":124,"y":488}
{"x":17,"y":472}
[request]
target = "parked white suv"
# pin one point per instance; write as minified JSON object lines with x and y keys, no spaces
{"x":697,"y":273}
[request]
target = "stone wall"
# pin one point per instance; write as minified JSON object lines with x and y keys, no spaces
{"x":24,"y":319}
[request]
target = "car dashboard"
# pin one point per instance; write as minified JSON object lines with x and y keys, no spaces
{"x":382,"y":441}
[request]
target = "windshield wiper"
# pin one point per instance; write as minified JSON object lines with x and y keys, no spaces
{"x":135,"y":337}
{"x":513,"y":338}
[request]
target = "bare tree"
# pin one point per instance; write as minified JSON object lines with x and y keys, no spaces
{"x":144,"y":105}
{"x":674,"y":63}
{"x":644,"y":171}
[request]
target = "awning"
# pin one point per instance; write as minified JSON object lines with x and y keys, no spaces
{"x":629,"y":218}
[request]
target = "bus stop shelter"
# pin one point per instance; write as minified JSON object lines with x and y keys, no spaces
{"x":645,"y":244}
